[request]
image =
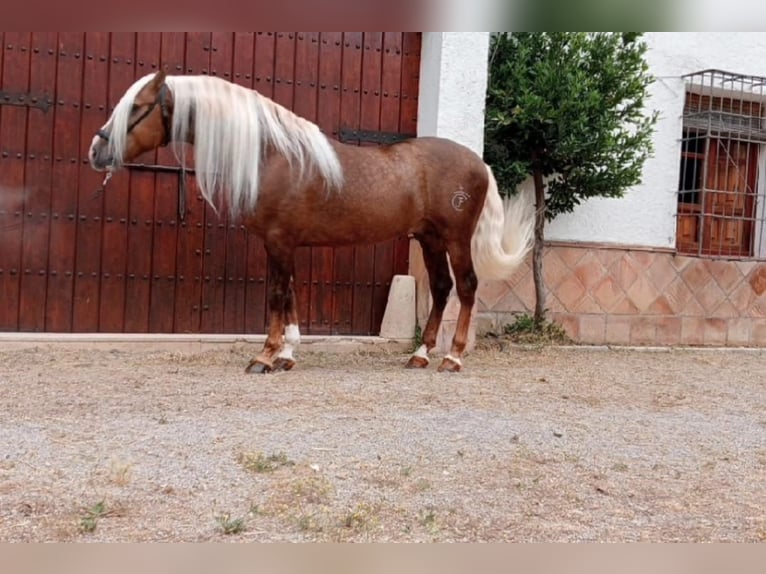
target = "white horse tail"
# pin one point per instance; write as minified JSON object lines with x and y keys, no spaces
{"x":504,"y":233}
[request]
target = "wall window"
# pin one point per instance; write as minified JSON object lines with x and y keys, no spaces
{"x":719,"y":182}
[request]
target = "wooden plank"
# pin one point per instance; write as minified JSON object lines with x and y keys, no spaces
{"x":284,"y":94}
{"x":389,"y":122}
{"x":141,"y":210}
{"x":364,"y":266}
{"x":88,"y":241}
{"x":242,"y":54}
{"x":66,"y":135}
{"x":34,"y":280}
{"x":13,"y":132}
{"x":165,"y":279}
{"x":350,"y":109}
{"x":116,"y":220}
{"x":408,"y":112}
{"x":190,"y":236}
{"x":323,"y":289}
{"x":257,"y":266}
{"x":220,"y":47}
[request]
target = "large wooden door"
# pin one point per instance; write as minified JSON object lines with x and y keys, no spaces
{"x":75,"y":260}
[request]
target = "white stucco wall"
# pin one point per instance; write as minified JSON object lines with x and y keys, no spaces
{"x":646,"y":215}
{"x":453,"y":85}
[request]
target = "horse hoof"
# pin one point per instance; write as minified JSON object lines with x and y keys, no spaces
{"x":283,"y":364}
{"x":416,"y":362}
{"x":450,"y":366}
{"x":257,"y":368}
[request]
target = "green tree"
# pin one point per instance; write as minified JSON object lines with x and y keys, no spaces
{"x":567,"y":109}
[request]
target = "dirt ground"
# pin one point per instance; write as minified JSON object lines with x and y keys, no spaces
{"x":553,"y":444}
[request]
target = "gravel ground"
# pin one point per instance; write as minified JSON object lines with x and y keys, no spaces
{"x":553,"y":444}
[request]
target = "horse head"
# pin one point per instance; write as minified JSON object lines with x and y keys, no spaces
{"x":140,"y":123}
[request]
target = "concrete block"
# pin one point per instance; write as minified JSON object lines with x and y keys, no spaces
{"x":400,"y":318}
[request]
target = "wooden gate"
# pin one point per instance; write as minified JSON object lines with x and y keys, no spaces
{"x":73,"y":259}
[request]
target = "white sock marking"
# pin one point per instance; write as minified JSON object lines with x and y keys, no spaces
{"x":454,"y":360}
{"x":292,"y":340}
{"x":422,"y":352}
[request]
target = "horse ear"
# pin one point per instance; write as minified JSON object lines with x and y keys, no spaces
{"x":159,"y":79}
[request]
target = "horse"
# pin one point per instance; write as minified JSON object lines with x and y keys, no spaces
{"x":293,"y":186}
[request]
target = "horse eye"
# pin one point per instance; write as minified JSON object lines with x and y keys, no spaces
{"x":134,"y":108}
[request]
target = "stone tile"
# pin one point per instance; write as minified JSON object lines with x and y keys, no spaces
{"x":745,"y":267}
{"x":618,"y":330}
{"x":525,"y":291}
{"x":643,"y":331}
{"x":643,"y":258}
{"x":696,"y":276}
{"x":607,"y":257}
{"x":668,"y":330}
{"x":510,"y":302}
{"x":642,"y":293}
{"x":587,"y":305}
{"x":519,"y":275}
{"x":661,"y":272}
{"x":738,"y":332}
{"x":692,"y":309}
{"x":592,"y":329}
{"x":758,"y":333}
{"x":607,"y":293}
{"x":660,"y":306}
{"x":570,"y":323}
{"x":715,"y":331}
{"x":677,"y":295}
{"x":710,"y":297}
{"x":570,"y":292}
{"x":571,"y":255}
{"x":725,"y":273}
{"x":625,"y":307}
{"x":680,"y":261}
{"x":757,"y":279}
{"x":625,"y":272}
{"x":490,"y":293}
{"x":692,"y":330}
{"x":555,"y":270}
{"x":725,"y":311}
{"x":742,"y":298}
{"x":589,"y":271}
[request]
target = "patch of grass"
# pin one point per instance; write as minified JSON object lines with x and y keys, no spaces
{"x":91,"y":515}
{"x":417,"y":339}
{"x":260,"y":463}
{"x":406,"y":471}
{"x":525,"y":330}
{"x":361,"y":518}
{"x":229,"y":525}
{"x":312,"y":490}
{"x":427,"y":519}
{"x":120,"y":473}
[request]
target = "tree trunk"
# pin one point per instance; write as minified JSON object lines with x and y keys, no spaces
{"x":537,"y":250}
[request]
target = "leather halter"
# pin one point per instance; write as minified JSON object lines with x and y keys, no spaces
{"x":161,"y":99}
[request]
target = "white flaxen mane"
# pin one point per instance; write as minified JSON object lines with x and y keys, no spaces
{"x":233,"y":128}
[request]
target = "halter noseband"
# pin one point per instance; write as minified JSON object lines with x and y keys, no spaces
{"x":161,"y":99}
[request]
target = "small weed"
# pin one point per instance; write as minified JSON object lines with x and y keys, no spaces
{"x":362,"y":517}
{"x":406,"y":471}
{"x":230,"y":525}
{"x":620,"y":467}
{"x":120,"y":473}
{"x":422,"y":485}
{"x":312,"y":490}
{"x":260,"y":463}
{"x":310,"y":522}
{"x":427,"y":519}
{"x":417,"y":339}
{"x":89,"y":519}
{"x":527,"y":330}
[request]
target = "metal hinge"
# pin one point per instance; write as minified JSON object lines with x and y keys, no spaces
{"x":181,"y":171}
{"x":370,"y":136}
{"x":39,"y":101}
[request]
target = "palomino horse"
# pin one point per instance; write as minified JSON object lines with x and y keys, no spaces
{"x":292,"y":186}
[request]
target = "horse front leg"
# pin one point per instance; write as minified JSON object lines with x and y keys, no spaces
{"x":280,"y":271}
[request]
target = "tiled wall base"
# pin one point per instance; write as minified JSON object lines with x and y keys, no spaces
{"x":633,"y":297}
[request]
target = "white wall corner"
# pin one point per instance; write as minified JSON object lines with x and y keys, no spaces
{"x":453,"y":86}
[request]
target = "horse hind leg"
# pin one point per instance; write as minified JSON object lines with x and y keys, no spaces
{"x":466,"y":284}
{"x":440,"y":282}
{"x":285,"y":359}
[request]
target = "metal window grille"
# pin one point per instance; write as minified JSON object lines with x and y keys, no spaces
{"x":720,"y":193}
